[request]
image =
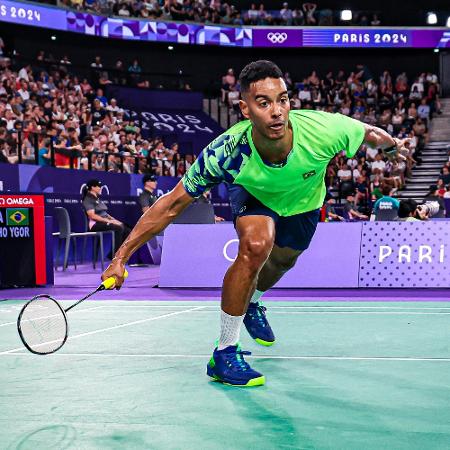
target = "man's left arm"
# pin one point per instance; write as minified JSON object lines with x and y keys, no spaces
{"x":378,"y":138}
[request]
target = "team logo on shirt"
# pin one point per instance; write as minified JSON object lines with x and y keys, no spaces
{"x":309,"y":174}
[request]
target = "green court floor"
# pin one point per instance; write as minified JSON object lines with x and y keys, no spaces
{"x":132,"y":376}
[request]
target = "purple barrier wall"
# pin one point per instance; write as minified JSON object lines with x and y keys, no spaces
{"x":384,"y":254}
{"x":199,"y":255}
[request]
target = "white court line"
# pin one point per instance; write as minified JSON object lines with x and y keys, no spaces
{"x":181,"y":356}
{"x":284,"y":307}
{"x":77,"y":310}
{"x":123,"y":325}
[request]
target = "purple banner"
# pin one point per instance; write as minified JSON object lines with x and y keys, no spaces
{"x":33,"y":14}
{"x":331,"y":261}
{"x":199,"y":34}
{"x":9,"y":178}
{"x":405,"y":254}
{"x":176,"y":114}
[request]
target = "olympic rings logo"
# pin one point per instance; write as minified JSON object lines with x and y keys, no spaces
{"x":277,"y":38}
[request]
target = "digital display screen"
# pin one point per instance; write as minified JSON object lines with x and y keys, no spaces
{"x":199,"y":34}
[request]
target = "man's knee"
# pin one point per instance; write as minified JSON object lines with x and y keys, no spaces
{"x":256,"y":250}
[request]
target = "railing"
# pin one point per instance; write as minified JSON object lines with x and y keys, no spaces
{"x":222,"y":113}
{"x":95,"y":160}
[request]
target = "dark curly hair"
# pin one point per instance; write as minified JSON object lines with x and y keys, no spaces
{"x":258,"y":70}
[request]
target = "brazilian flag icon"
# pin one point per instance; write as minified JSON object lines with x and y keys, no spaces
{"x":17,"y":216}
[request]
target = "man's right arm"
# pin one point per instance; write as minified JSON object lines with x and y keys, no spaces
{"x":155,"y":219}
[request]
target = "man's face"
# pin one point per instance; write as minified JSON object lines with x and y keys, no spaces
{"x":267,"y":106}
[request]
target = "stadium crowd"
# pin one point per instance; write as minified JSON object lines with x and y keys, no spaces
{"x":73,"y":124}
{"x":221,"y":12}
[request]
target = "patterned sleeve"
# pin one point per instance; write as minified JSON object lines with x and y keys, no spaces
{"x":207,"y":170}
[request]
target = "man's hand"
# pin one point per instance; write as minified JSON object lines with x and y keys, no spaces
{"x":400,"y":151}
{"x":117,"y":270}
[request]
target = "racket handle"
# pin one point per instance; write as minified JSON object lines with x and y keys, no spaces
{"x":111,"y":281}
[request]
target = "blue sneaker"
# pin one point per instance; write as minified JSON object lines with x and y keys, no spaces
{"x":257,"y":325}
{"x":229,"y":367}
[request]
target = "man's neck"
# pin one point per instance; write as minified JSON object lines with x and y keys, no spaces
{"x":273,"y":151}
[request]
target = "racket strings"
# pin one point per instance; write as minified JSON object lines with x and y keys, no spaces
{"x":43,"y":325}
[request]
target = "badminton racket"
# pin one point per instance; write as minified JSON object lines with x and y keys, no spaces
{"x":42,"y":322}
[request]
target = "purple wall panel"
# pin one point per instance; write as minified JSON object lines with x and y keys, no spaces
{"x":405,"y":254}
{"x":199,"y":255}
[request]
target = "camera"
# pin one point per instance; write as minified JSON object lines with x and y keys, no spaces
{"x":428,"y":209}
{"x":410,"y":210}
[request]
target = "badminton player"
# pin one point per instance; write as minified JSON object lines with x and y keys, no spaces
{"x":274,"y":163}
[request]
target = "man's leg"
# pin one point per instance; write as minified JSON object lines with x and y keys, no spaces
{"x":256,"y":237}
{"x":279,"y":262}
{"x":293,"y":236}
{"x":281,"y":259}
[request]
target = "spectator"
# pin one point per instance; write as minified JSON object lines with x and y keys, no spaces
{"x":433,"y":196}
{"x":45,"y":153}
{"x":97,"y":213}
{"x":148,"y":195}
{"x":349,"y":208}
{"x":386,"y":202}
{"x":445,"y":177}
{"x":424,"y":110}
{"x":286,"y":14}
{"x":309,"y":10}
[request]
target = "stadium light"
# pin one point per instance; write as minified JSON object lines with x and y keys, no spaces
{"x":346,"y":14}
{"x":53,"y":38}
{"x":448,"y":22}
{"x":431,"y":18}
{"x":170,"y":47}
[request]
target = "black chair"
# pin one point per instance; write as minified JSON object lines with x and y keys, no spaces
{"x":66,"y":236}
{"x":386,"y":214}
{"x":86,"y":229}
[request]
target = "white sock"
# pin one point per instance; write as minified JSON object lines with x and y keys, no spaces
{"x":230,"y":328}
{"x":256,"y":296}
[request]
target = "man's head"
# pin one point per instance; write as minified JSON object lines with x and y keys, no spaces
{"x":265,"y":99}
{"x":149,"y":182}
{"x":386,"y":190}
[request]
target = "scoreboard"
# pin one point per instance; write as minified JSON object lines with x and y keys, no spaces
{"x":22,"y":241}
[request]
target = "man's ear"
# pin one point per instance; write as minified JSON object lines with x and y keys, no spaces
{"x":244,"y":108}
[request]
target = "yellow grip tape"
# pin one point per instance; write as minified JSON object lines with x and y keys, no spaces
{"x":110,"y":282}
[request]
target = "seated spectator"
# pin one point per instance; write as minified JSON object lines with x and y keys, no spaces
{"x":386,"y":202}
{"x":148,"y":196}
{"x":424,"y":110}
{"x":345,"y":173}
{"x":97,"y":213}
{"x":228,"y":81}
{"x":433,"y":196}
{"x":349,"y":208}
{"x":445,"y":177}
{"x":362,"y":191}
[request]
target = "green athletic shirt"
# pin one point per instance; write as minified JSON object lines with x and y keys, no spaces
{"x":294,"y":187}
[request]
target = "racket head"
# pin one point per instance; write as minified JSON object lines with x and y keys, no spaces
{"x":42,"y":325}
